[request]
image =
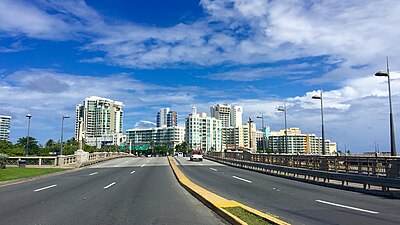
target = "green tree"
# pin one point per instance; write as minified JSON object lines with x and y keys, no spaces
{"x":33,"y":145}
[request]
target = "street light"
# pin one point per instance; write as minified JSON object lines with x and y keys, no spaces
{"x":62,"y":132}
{"x":322,"y":119}
{"x":392,"y":136}
{"x":262,"y":121}
{"x":283,"y":109}
{"x":27,"y":136}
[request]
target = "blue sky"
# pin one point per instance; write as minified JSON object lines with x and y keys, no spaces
{"x":154,"y":53}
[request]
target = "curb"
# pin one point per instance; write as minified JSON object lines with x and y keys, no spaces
{"x":216,"y":202}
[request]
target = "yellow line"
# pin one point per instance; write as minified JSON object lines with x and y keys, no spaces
{"x":216,"y":202}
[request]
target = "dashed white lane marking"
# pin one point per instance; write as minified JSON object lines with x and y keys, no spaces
{"x":347,"y":207}
{"x":109,"y":185}
{"x":116,"y":165}
{"x":93,"y":174}
{"x":125,"y":162}
{"x":213,"y":169}
{"x":239,"y":178}
{"x":148,"y":160}
{"x":132,"y":172}
{"x":44,"y":188}
{"x":142,"y":165}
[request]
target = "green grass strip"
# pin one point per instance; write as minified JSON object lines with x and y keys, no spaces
{"x":246,"y":216}
{"x":11,"y":173}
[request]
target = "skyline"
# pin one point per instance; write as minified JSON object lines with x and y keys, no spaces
{"x":258,"y":54}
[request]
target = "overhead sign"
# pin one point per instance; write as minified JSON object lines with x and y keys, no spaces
{"x":142,"y":148}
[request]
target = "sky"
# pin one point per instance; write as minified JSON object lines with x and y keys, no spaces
{"x":182,"y":53}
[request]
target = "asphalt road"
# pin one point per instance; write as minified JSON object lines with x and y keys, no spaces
{"x":293,"y":201}
{"x":121,"y":191}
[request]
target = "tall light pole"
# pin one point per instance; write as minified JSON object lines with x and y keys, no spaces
{"x":283,"y":109}
{"x":250,"y":130}
{"x":322,"y":119}
{"x":62,"y":132}
{"x":27,"y":136}
{"x":262,"y":123}
{"x":392,"y":136}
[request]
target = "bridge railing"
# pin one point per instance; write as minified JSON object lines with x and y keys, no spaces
{"x":63,"y":160}
{"x":369,"y":166}
{"x":34,"y":160}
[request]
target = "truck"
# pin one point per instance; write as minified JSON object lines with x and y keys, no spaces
{"x":196,"y":155}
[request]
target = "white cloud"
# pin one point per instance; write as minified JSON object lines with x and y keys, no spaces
{"x":144,"y":124}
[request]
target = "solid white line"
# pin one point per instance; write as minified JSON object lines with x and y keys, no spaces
{"x":93,"y":174}
{"x":44,"y":188}
{"x":213,"y":169}
{"x":143,"y":165}
{"x":248,"y":181}
{"x":109,"y":185}
{"x":347,"y":207}
{"x":132,"y":172}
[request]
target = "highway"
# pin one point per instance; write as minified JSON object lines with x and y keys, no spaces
{"x":293,"y":201}
{"x":120,"y":191}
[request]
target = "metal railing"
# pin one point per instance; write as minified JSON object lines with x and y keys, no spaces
{"x":368,"y":171}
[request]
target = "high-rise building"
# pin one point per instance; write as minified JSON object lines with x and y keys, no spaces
{"x":298,"y":143}
{"x":102,"y":121}
{"x":167,"y":118}
{"x":5,"y":127}
{"x":240,"y":137}
{"x":230,"y":116}
{"x":203,"y":132}
{"x":172,"y":119}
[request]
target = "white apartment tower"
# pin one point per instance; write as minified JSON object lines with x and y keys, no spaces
{"x":203,"y":132}
{"x":5,"y":127}
{"x":230,"y":116}
{"x":102,"y":121}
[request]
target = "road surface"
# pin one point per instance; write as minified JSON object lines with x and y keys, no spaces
{"x":293,"y":201}
{"x":120,"y":191}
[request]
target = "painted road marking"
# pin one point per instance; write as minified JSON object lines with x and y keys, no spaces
{"x":148,"y":160}
{"x":116,"y":165}
{"x":132,"y":172}
{"x":347,"y":207}
{"x":44,"y":188}
{"x":93,"y":174}
{"x":109,"y":185}
{"x":239,"y":178}
{"x":143,"y":165}
{"x":213,"y":169}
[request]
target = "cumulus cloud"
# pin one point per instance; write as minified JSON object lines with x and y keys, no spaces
{"x":144,"y":124}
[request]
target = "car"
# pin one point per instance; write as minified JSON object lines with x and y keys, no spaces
{"x":196,"y":156}
{"x":180,"y":154}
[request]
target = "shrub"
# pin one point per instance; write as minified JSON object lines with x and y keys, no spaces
{"x":3,"y":159}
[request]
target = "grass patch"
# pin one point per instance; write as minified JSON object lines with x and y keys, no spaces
{"x":246,"y":216}
{"x":11,"y":173}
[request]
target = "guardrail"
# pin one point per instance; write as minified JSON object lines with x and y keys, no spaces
{"x":368,"y":171}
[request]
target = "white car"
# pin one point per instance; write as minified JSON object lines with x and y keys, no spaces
{"x":197,"y":157}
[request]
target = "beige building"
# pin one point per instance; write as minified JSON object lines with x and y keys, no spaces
{"x":240,"y":137}
{"x":102,"y":121}
{"x":203,"y":132}
{"x":298,"y":143}
{"x":230,"y":116}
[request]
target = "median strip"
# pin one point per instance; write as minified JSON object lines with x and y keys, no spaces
{"x":219,"y":204}
{"x":44,"y":188}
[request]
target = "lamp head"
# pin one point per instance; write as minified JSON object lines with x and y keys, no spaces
{"x":316,"y":97}
{"x":28,"y":115}
{"x":381,"y":74}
